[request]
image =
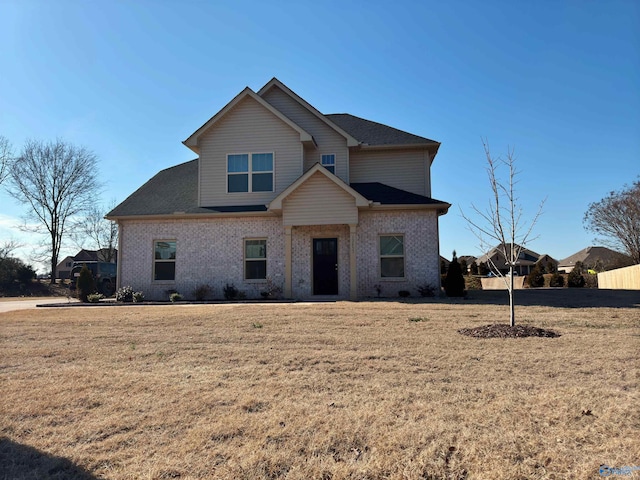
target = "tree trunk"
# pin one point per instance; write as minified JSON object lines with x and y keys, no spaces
{"x":512,"y":309}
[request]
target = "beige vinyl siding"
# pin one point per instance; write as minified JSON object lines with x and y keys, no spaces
{"x":319,"y":201}
{"x":404,"y":169}
{"x":327,"y":139}
{"x":247,"y":128}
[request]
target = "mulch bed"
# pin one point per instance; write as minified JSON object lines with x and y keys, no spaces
{"x":507,"y":331}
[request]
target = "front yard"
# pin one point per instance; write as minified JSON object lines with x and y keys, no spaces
{"x":334,"y":390}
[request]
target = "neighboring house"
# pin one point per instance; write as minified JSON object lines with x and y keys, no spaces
{"x":596,"y":258}
{"x":468,"y":261}
{"x":524,"y":264}
{"x":322,"y":206}
{"x":546,"y":261}
{"x":63,"y":270}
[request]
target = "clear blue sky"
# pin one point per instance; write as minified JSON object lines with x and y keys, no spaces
{"x":557,"y":80}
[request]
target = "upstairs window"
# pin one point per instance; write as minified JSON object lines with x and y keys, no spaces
{"x":392,"y":256}
{"x":164,"y":260}
{"x":255,"y":259}
{"x":329,"y":162}
{"x":250,"y":172}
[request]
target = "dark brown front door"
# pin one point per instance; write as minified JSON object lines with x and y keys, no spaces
{"x":325,"y":266}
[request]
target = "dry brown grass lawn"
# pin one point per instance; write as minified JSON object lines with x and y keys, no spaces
{"x":367,"y":390}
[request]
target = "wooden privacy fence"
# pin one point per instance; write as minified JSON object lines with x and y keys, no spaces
{"x":627,"y":278}
{"x":497,"y":283}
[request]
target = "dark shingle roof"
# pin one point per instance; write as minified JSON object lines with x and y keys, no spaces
{"x":173,"y":190}
{"x":386,"y":195}
{"x":373,"y":133}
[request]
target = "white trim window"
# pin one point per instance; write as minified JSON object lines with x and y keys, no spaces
{"x":164,"y":260}
{"x":250,"y":172}
{"x":392,"y":256}
{"x":255,"y":259}
{"x":328,"y":161}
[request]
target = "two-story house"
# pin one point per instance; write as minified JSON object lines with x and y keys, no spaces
{"x":323,"y":206}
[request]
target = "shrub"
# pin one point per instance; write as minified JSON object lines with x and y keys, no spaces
{"x":175,"y":297}
{"x":556,"y":280}
{"x":94,"y":297}
{"x":535,"y":278}
{"x":85,"y":284}
{"x":230,"y":292}
{"x":575,"y":279}
{"x":242,"y":295}
{"x":454,"y":282}
{"x":125,"y":294}
{"x":202,"y":292}
{"x":138,"y":297}
{"x":404,"y":293}
{"x":426,"y":290}
{"x":271,"y":290}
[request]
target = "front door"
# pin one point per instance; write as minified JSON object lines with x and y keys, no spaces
{"x":325,"y":266}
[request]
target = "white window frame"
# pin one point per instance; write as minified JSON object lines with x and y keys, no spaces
{"x":245,"y":259}
{"x":163,"y":260}
{"x":381,"y":256}
{"x":327,"y":165}
{"x":250,"y":172}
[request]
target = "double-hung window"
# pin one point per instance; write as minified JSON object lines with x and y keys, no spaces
{"x":255,"y":259}
{"x":329,"y":162}
{"x":250,"y":172}
{"x":392,"y":256}
{"x":164,"y":260}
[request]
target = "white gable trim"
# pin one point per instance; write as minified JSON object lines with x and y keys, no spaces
{"x":274,"y":82}
{"x":276,"y":203}
{"x":192,"y":141}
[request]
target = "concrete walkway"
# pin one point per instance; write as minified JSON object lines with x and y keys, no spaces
{"x":26,"y":303}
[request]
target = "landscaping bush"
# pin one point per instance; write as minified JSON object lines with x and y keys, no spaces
{"x":138,"y":297}
{"x":426,"y":290}
{"x":94,"y":297}
{"x":202,"y":292}
{"x":556,"y":280}
{"x":454,"y":282}
{"x":575,"y":279}
{"x":85,"y":284}
{"x":175,"y":297}
{"x":535,"y":278}
{"x":404,"y":293}
{"x":230,"y":292}
{"x":125,"y":294}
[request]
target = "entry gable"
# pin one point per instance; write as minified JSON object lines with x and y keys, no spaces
{"x":192,"y":141}
{"x":318,"y":198}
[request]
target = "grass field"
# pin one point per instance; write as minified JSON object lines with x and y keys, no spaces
{"x":367,"y":390}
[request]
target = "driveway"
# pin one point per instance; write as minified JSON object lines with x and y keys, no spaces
{"x":26,"y":303}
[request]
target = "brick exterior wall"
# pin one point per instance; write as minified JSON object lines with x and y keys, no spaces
{"x":210,"y":251}
{"x":421,"y":250}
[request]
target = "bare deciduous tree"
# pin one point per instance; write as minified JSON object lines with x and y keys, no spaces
{"x":6,"y":157}
{"x":98,"y":232}
{"x":503,"y":222}
{"x":616,"y":219}
{"x":58,"y":181}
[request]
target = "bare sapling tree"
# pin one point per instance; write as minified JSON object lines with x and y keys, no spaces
{"x":6,"y":157}
{"x":57,"y":181}
{"x":503,"y":222}
{"x":616,"y":219}
{"x":97,"y":231}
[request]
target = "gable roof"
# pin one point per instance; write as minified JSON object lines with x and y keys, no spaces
{"x":527,"y":257}
{"x":274,"y":82}
{"x":192,"y":141}
{"x":371,"y":133}
{"x":591,"y":255}
{"x":276,"y":203}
